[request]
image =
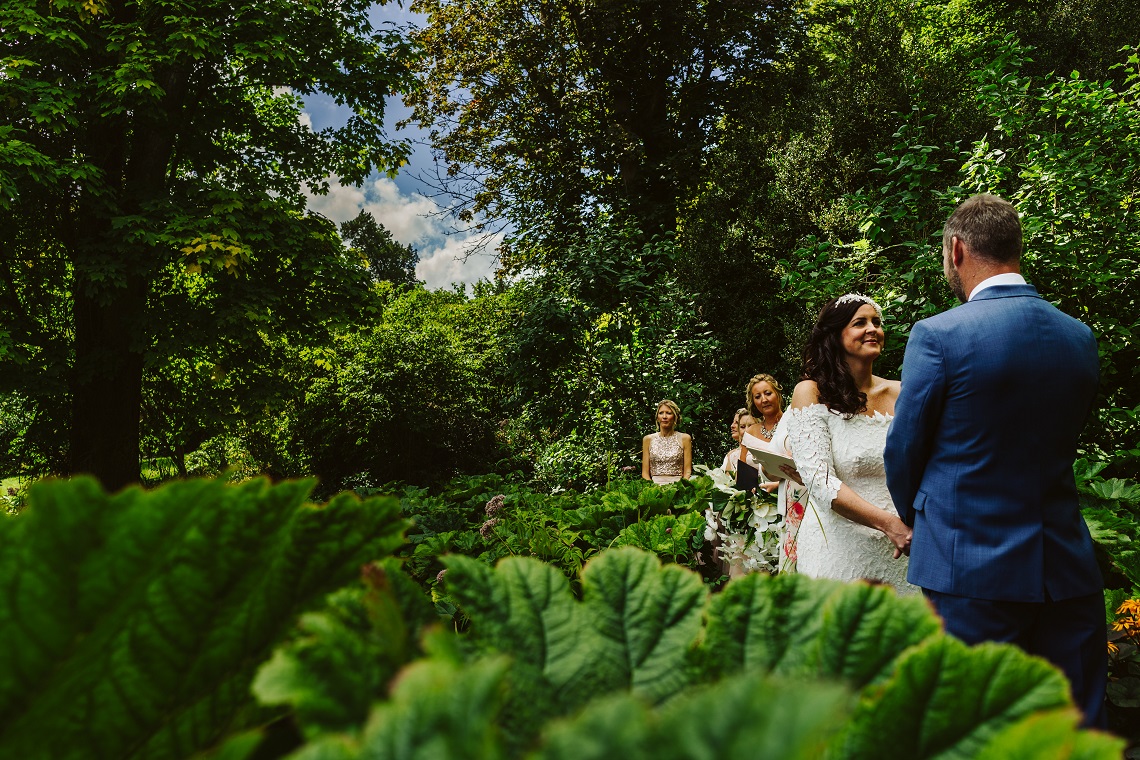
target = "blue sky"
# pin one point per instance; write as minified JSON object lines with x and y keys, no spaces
{"x":402,"y":205}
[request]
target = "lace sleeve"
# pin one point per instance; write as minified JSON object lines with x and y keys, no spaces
{"x":809,"y":438}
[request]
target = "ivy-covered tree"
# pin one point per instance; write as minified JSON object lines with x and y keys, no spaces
{"x":148,"y":141}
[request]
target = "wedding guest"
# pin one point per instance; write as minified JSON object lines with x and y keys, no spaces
{"x":764,"y":401}
{"x":667,"y":455}
{"x":740,"y":421}
{"x":765,"y":404}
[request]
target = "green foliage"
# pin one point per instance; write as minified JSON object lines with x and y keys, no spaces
{"x":1062,"y":150}
{"x":415,"y":396}
{"x":344,"y":654}
{"x":600,"y":107}
{"x":636,"y":667}
{"x":491,"y":517}
{"x":601,"y":340}
{"x":387,"y":260}
{"x":133,"y":623}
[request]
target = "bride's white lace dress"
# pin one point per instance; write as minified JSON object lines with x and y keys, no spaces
{"x":829,"y":451}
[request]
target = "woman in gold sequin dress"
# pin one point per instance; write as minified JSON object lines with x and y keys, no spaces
{"x":667,"y":455}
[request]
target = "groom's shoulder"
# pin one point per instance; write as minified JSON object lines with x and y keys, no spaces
{"x":1002,"y":315}
{"x":940,"y":321}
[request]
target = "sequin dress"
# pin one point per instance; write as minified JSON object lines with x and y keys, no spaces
{"x":666,"y":458}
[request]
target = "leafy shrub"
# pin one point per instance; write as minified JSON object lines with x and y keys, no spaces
{"x":564,"y":529}
{"x":131,"y":625}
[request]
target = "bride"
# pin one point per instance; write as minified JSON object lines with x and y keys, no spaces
{"x":837,"y":431}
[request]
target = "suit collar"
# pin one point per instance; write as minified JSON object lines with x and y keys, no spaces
{"x":1006,"y":291}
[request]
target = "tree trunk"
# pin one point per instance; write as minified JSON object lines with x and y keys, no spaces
{"x":107,"y":384}
{"x":112,"y":279}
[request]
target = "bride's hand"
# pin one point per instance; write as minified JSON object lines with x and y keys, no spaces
{"x":900,"y":536}
{"x":791,"y":473}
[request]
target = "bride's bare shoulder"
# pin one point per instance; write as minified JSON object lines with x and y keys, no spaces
{"x":806,"y":393}
{"x":890,"y":387}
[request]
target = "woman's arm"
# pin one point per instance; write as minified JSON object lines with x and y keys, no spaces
{"x":855,"y":508}
{"x":645,"y":459}
{"x":687,"y":445}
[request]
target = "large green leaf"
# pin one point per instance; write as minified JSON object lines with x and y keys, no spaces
{"x":664,"y":535}
{"x":864,"y":629}
{"x":523,"y":607}
{"x":344,"y":656}
{"x":743,"y":716}
{"x":1050,"y":734}
{"x":796,"y":625}
{"x":439,"y":709}
{"x":777,"y":655}
{"x":131,"y":625}
{"x":648,"y":616}
{"x":947,"y":700}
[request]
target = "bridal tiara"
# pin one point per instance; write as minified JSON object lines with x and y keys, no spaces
{"x":850,"y":297}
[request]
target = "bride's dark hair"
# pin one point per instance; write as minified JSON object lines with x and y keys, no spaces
{"x":825,"y":361}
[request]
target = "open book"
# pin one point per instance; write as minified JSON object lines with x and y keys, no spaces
{"x":771,"y":461}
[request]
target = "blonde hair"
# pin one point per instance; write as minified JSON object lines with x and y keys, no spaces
{"x":673,"y":407}
{"x":763,"y":377}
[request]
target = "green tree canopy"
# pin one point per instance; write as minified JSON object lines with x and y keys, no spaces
{"x":142,"y":138}
{"x":387,"y":260}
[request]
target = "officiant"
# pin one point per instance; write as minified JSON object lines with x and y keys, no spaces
{"x":764,"y":402}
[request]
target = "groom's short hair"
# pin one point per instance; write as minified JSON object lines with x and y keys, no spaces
{"x":989,"y":226}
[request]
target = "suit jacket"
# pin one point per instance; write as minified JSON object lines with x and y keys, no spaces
{"x":979,"y":456}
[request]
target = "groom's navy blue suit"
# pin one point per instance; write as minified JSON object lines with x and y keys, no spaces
{"x":979,"y":461}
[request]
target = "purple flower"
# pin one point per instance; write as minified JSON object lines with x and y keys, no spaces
{"x":486,"y":528}
{"x":440,"y":574}
{"x":627,"y":468}
{"x":495,"y":505}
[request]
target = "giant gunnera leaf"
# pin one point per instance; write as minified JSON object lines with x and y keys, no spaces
{"x":131,"y":624}
{"x":795,"y":625}
{"x":648,"y":664}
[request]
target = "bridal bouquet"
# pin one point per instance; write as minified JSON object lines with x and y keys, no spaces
{"x":748,"y":524}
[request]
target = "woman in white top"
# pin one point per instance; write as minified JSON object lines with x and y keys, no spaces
{"x":837,"y":432}
{"x":667,"y":455}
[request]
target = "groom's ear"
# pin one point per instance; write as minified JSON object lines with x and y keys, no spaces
{"x":957,"y":251}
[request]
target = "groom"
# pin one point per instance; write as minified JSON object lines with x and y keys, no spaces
{"x":980,"y":454}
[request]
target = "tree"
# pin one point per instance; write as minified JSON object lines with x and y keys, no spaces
{"x":387,"y":260}
{"x":547,"y":112}
{"x":153,"y":136}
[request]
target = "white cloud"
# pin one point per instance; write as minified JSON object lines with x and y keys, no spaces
{"x":412,"y":220}
{"x":440,"y":267}
{"x":408,"y":217}
{"x":341,"y":203}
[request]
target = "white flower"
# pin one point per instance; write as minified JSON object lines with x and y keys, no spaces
{"x":732,"y":546}
{"x":762,"y":554}
{"x":711,"y":524}
{"x":722,"y":481}
{"x":764,"y":515}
